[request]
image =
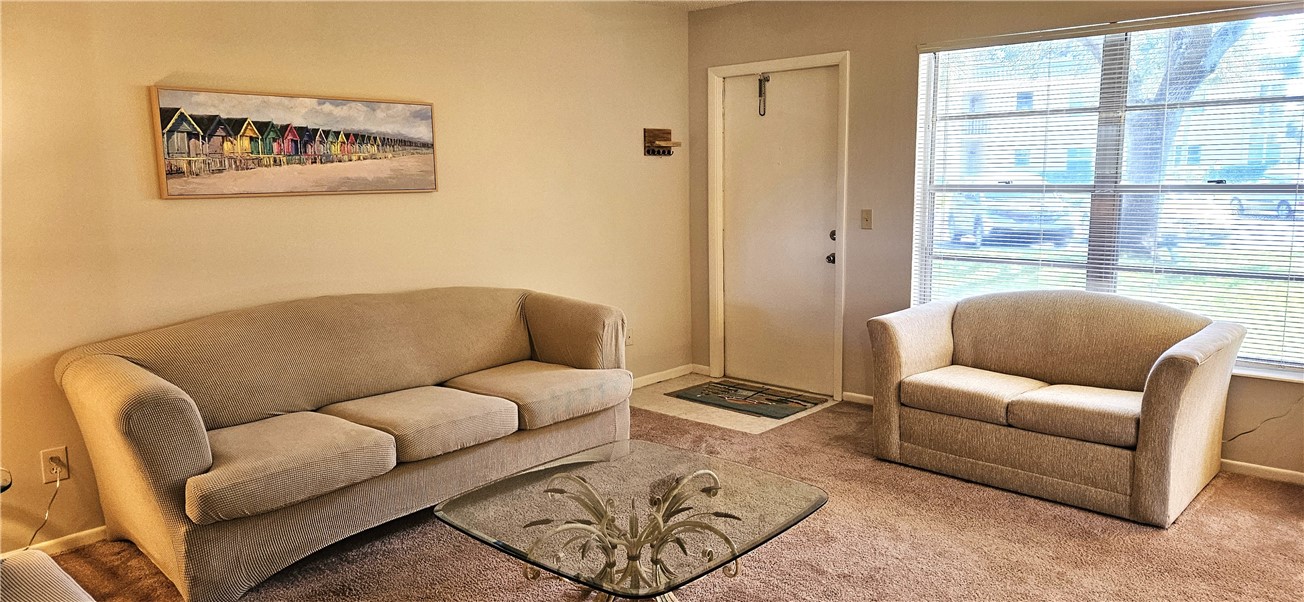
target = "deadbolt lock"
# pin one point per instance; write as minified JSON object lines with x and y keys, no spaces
{"x":831,"y":258}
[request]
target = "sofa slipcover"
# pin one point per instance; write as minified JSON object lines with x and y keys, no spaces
{"x":154,"y":407}
{"x":283,"y":460}
{"x":1129,"y":422}
{"x":428,"y":421}
{"x":32,"y":576}
{"x":547,"y":393}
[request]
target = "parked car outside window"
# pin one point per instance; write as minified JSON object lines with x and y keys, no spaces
{"x":1019,"y":217}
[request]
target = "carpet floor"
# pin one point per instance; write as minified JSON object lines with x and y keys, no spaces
{"x":889,"y":532}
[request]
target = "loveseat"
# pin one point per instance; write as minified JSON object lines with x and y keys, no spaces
{"x":230,"y":446}
{"x":1090,"y":399}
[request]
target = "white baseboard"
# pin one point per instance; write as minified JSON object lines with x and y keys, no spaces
{"x":67,"y":542}
{"x":1263,"y":472}
{"x":700,"y":369}
{"x":858,"y":398}
{"x":656,"y":377}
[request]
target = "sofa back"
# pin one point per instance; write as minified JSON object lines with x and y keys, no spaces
{"x":248,"y":364}
{"x":1068,"y":337}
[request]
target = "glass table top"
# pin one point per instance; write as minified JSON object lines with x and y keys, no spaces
{"x":632,"y":519}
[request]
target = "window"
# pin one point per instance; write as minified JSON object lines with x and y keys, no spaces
{"x":1162,"y":164}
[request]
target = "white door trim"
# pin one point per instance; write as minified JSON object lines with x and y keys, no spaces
{"x":715,"y":196}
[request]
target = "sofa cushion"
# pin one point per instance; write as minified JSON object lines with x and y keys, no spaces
{"x":1107,"y":416}
{"x":965,"y":392}
{"x":283,"y":460}
{"x":428,"y":421}
{"x":548,"y":393}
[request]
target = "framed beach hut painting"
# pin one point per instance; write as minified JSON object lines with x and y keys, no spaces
{"x":212,"y":143}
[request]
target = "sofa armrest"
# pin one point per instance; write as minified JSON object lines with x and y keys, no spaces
{"x":575,"y":333}
{"x":905,"y":343}
{"x":145,"y":438}
{"x":1179,"y":441}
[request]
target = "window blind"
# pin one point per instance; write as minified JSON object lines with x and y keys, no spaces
{"x":1163,"y":164}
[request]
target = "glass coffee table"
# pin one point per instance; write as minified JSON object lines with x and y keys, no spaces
{"x":632,"y":519}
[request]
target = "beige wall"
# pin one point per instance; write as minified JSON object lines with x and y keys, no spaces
{"x":882,"y":38}
{"x":542,"y":182}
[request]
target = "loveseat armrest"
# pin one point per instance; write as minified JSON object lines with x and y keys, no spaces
{"x":145,"y":438}
{"x":1179,"y":441}
{"x":575,"y":333}
{"x":903,"y":344}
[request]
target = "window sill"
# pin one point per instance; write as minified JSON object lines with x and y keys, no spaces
{"x":1278,"y":374}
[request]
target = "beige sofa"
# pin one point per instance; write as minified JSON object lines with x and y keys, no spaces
{"x":1094,"y":400}
{"x":230,"y":446}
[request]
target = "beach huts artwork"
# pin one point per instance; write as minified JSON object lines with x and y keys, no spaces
{"x":215,"y":144}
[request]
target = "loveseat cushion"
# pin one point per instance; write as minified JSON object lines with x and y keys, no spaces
{"x":280,"y":461}
{"x":965,"y":392}
{"x":428,"y":421}
{"x":548,"y":393}
{"x":1106,"y":416}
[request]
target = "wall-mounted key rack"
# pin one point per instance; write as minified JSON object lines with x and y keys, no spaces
{"x":657,"y":142}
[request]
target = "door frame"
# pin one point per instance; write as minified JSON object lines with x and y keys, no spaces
{"x":715,"y":196}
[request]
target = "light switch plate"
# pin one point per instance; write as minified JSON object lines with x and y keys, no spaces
{"x":866,"y":219}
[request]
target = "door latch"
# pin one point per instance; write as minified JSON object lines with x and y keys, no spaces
{"x":833,"y":234}
{"x":831,"y":258}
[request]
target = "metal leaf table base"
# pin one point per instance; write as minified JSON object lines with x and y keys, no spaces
{"x":666,"y":597}
{"x":635,"y":556}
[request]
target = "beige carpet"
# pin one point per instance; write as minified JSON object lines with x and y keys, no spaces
{"x":888,"y":533}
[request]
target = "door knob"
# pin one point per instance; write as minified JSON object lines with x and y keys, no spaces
{"x":833,"y":234}
{"x":831,"y":258}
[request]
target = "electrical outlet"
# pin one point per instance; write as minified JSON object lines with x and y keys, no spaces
{"x":50,"y":468}
{"x":866,"y":219}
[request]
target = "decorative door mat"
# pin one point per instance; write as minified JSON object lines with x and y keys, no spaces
{"x":750,"y":399}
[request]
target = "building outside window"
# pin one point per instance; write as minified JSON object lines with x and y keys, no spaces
{"x":1023,"y":101}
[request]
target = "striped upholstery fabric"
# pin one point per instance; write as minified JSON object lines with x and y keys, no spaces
{"x":573,"y":333}
{"x":166,"y":413}
{"x":226,"y":559}
{"x":428,"y":421}
{"x":547,"y":393}
{"x":280,"y":461}
{"x":32,"y":576}
{"x":1130,"y":424}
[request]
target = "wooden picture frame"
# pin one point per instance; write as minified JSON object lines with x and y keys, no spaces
{"x":259,"y":144}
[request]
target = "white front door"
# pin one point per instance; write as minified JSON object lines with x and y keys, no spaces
{"x":780,"y":203}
